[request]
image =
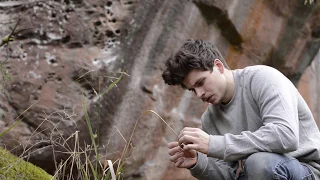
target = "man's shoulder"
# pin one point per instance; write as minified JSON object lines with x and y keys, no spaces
{"x":259,"y":78}
{"x":261,"y":70}
{"x":257,"y":68}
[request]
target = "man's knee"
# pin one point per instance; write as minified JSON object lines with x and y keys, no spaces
{"x":261,"y":163}
{"x":264,"y":165}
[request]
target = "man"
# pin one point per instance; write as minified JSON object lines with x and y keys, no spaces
{"x":257,"y":126}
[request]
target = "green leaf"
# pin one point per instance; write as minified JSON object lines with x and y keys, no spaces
{"x":113,"y":84}
{"x":12,"y":126}
{"x":107,"y":176}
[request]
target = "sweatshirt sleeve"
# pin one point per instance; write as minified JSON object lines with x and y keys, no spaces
{"x":276,"y":98}
{"x":208,"y":167}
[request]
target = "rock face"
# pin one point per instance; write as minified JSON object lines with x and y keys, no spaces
{"x":74,"y":49}
{"x":68,"y":49}
{"x":309,"y":87}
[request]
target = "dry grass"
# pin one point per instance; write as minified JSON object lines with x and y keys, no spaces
{"x":82,"y":162}
{"x":85,"y":160}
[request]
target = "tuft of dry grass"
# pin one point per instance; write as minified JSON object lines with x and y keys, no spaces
{"x":84,"y":160}
{"x":308,"y":1}
{"x":88,"y":165}
{"x":125,"y":153}
{"x":92,"y":167}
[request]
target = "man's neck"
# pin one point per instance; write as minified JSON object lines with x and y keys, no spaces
{"x":230,"y":89}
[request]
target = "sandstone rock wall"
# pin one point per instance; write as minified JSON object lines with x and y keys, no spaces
{"x":309,"y":86}
{"x":77,"y":47}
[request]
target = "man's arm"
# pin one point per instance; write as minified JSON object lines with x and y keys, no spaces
{"x":276,"y":99}
{"x":208,"y":168}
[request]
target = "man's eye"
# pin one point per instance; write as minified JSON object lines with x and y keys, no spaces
{"x":201,"y":83}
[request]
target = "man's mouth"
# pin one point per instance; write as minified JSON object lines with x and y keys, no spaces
{"x":208,"y":99}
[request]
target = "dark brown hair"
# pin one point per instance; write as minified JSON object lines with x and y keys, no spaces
{"x":194,"y":54}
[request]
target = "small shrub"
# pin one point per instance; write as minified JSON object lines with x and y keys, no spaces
{"x":15,"y":168}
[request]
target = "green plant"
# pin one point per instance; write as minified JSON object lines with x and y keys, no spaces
{"x":12,"y":167}
{"x":16,"y":122}
{"x":125,"y":151}
{"x":91,"y":167}
{"x":5,"y":42}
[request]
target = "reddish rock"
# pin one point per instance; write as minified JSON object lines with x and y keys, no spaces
{"x":77,"y":48}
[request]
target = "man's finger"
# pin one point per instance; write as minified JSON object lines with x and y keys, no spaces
{"x":179,"y":162}
{"x":174,"y":150}
{"x":173,"y":144}
{"x":175,"y":157}
{"x":190,"y":133}
{"x":189,"y":147}
{"x":187,"y":140}
{"x":189,"y":129}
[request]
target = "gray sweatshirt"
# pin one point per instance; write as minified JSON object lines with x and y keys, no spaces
{"x":266,"y":114}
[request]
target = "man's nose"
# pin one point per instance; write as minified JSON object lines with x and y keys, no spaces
{"x":199,"y":92}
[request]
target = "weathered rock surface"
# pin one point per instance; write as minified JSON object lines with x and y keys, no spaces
{"x":77,"y":47}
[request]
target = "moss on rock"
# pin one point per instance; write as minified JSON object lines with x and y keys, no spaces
{"x":12,"y":167}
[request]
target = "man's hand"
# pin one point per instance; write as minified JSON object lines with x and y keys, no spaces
{"x":182,"y":158}
{"x":194,"y":139}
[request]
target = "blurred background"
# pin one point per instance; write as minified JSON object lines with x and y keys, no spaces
{"x":66,"y":53}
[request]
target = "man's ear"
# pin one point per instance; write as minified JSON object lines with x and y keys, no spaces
{"x":219,"y":65}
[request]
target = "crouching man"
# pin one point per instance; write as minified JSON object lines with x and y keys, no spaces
{"x":257,"y":126}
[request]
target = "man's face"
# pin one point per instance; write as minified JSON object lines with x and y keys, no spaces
{"x":208,"y":86}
